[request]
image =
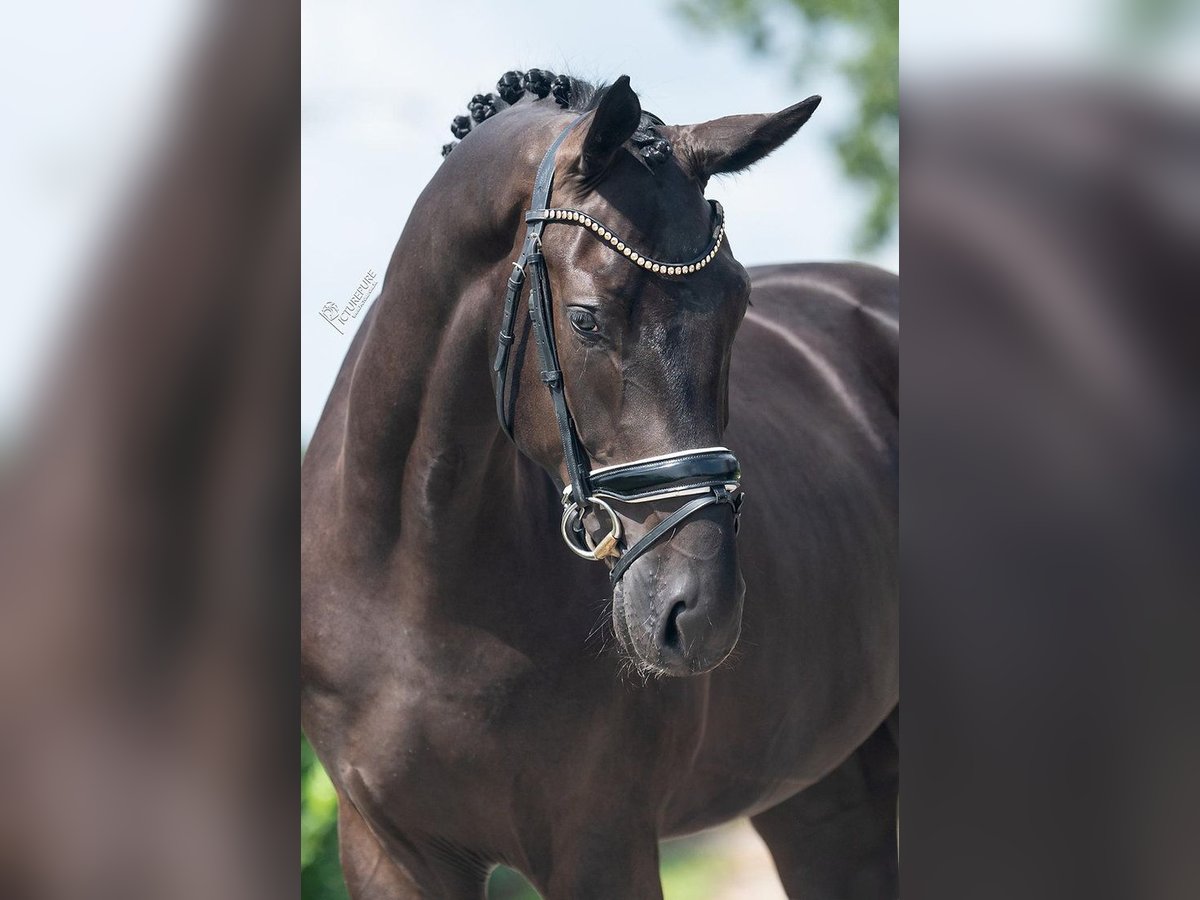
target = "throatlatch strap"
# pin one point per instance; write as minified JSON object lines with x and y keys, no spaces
{"x":500,"y":365}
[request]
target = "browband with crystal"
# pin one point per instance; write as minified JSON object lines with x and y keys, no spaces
{"x":575,"y":217}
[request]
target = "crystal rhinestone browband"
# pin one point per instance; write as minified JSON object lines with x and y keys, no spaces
{"x":575,"y":217}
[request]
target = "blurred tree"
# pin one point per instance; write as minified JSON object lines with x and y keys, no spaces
{"x":861,"y":39}
{"x":320,"y":870}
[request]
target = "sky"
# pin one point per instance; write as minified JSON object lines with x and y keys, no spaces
{"x":381,"y":82}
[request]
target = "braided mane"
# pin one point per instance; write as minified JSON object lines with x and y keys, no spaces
{"x":570,"y":93}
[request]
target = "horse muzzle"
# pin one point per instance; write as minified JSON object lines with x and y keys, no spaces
{"x":678,"y":611}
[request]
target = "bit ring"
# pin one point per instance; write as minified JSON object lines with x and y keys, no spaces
{"x":572,"y":524}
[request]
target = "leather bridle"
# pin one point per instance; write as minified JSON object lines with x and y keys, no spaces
{"x":707,"y":476}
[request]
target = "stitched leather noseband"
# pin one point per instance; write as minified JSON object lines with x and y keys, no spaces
{"x":707,"y":476}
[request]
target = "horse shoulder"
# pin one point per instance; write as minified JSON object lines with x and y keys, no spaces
{"x":832,"y":330}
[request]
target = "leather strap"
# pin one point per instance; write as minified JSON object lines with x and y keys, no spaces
{"x":542,"y":183}
{"x":540,"y":311}
{"x":500,"y":365}
{"x":668,"y":524}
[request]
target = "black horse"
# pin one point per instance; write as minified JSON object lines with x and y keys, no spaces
{"x":479,"y":694}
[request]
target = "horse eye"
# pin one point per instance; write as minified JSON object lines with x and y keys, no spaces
{"x":583,"y":321}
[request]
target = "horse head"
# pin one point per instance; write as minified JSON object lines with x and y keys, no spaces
{"x":641,"y":298}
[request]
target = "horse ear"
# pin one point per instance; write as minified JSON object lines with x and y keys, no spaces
{"x":735,"y":142}
{"x":616,"y":119}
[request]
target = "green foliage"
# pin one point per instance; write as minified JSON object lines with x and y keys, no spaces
{"x":689,"y":868}
{"x":860,"y":38}
{"x":505,"y":884}
{"x":320,"y":870}
{"x":1140,"y":28}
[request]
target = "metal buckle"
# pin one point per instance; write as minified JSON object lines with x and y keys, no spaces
{"x":572,"y":524}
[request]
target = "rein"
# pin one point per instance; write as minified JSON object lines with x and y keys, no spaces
{"x":708,"y":475}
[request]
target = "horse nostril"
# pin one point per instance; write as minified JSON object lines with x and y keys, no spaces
{"x":672,"y":639}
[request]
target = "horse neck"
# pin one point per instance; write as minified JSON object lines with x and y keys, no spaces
{"x":421,"y":446}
